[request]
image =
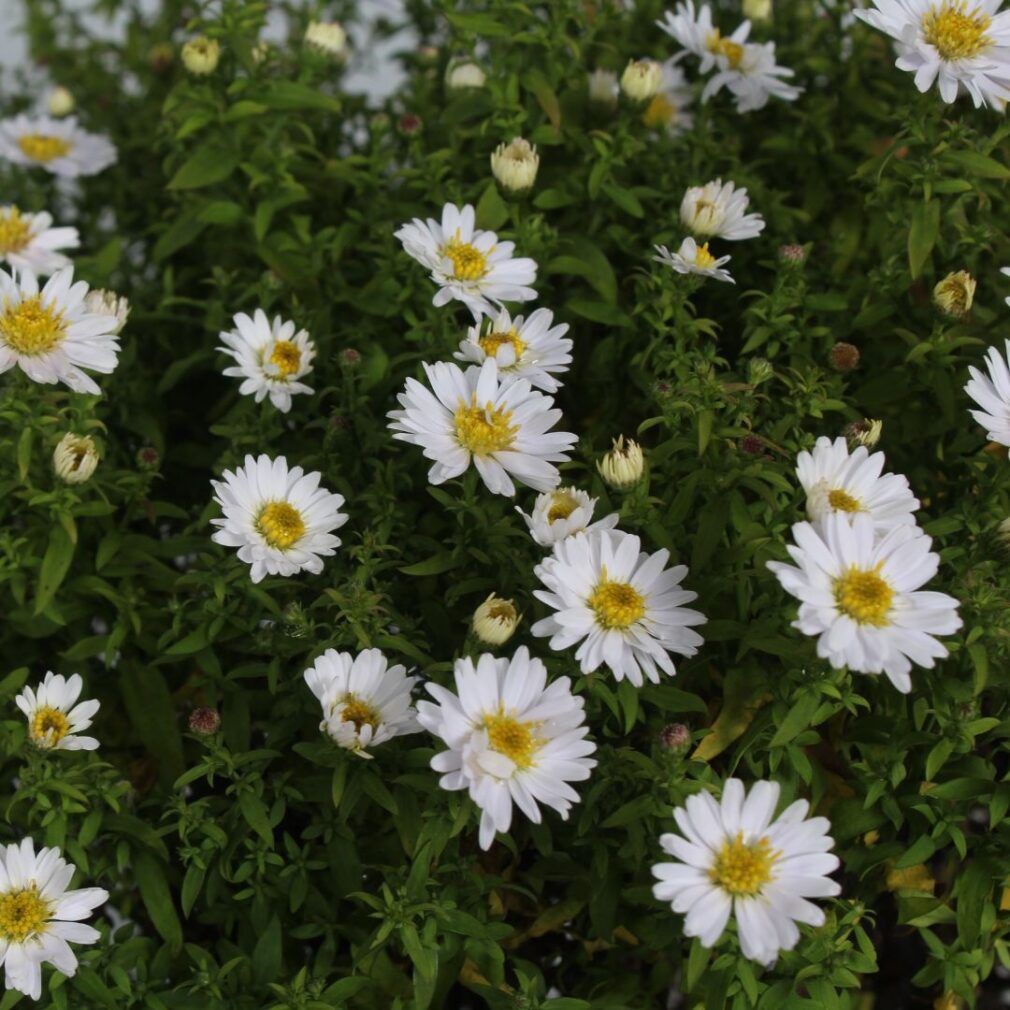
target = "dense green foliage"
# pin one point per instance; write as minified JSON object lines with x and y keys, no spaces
{"x":263,"y":867}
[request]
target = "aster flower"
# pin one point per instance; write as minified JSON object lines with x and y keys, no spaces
{"x":30,"y":242}
{"x":472,"y":417}
{"x":992,"y":393}
{"x":271,"y":357}
{"x":698,"y":35}
{"x":692,"y":258}
{"x":752,"y":76}
{"x":55,"y":718}
{"x":735,"y":858}
{"x":468,"y":264}
{"x":719,"y":210}
{"x":562,"y":513}
{"x":1006,"y":273}
{"x":961,"y":45}
{"x":39,"y":917}
{"x":530,"y":348}
{"x":511,"y":738}
{"x":623,"y":605}
{"x":50,"y":334}
{"x":365,"y":701}
{"x":860,"y":595}
{"x":280,"y":520}
{"x":59,"y":146}
{"x":836,"y":480}
{"x":668,"y":108}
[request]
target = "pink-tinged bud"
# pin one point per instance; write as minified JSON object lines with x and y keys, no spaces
{"x":148,"y":458}
{"x":408,"y":124}
{"x":752,"y":445}
{"x":350,"y":358}
{"x":793,"y":253}
{"x":205,"y":721}
{"x":676,"y":737}
{"x":844,"y":357}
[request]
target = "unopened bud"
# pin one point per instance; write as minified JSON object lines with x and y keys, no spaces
{"x":61,"y":102}
{"x":408,"y":125}
{"x":757,"y":10}
{"x":495,"y":620}
{"x":844,"y":357}
{"x":865,"y":432}
{"x":623,"y":466}
{"x":641,"y":79}
{"x":793,"y":253}
{"x":464,"y":74}
{"x":148,"y":458}
{"x":205,"y":721}
{"x":676,"y":737}
{"x":954,"y":295}
{"x":327,"y":37}
{"x":515,"y":165}
{"x":75,"y":458}
{"x":759,"y":370}
{"x":161,"y":57}
{"x":603,"y":88}
{"x":350,"y":358}
{"x":752,"y":445}
{"x":200,"y":56}
{"x":108,"y":303}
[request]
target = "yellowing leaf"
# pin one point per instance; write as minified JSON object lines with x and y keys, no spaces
{"x":739,"y":706}
{"x":912,"y":878}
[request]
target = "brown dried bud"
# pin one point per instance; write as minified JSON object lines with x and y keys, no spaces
{"x":676,"y":737}
{"x":844,"y":357}
{"x":204,"y":721}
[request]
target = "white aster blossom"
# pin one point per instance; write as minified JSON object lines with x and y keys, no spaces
{"x":512,"y":738}
{"x":365,"y":701}
{"x":530,"y":348}
{"x":327,"y":37}
{"x":280,"y":520}
{"x":463,"y":74}
{"x":271,"y":357}
{"x":692,"y":258}
{"x":473,"y":417}
{"x":719,"y":210}
{"x":752,"y":76}
{"x":698,"y":35}
{"x":622,"y":605}
{"x":735,"y":858}
{"x":860,"y":595}
{"x":59,"y":146}
{"x":30,"y":242}
{"x":468,"y":264}
{"x":108,"y":303}
{"x":668,"y":108}
{"x":562,"y":513}
{"x":992,"y":393}
{"x":75,"y":458}
{"x":55,"y":717}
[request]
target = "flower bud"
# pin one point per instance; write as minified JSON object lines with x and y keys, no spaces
{"x":495,"y":620}
{"x":200,"y":55}
{"x":954,"y":295}
{"x":623,"y":466}
{"x":427,"y":54}
{"x":793,"y":253}
{"x":515,"y":165}
{"x":757,"y":10}
{"x":752,"y":445}
{"x":61,"y":102}
{"x":641,"y":79}
{"x":464,"y":74}
{"x":350,"y":358}
{"x":409,"y":124}
{"x":148,"y":458}
{"x":865,"y":432}
{"x":75,"y":458}
{"x":759,"y":370}
{"x":161,"y":57}
{"x":327,"y":37}
{"x":603,"y":87}
{"x":108,"y":303}
{"x":844,"y":357}
{"x":204,"y":721}
{"x":676,"y":737}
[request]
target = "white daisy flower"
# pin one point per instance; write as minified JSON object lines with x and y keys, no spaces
{"x":623,"y":605}
{"x":39,"y":917}
{"x":54,"y":717}
{"x":467,"y":264}
{"x":512,"y":738}
{"x":530,"y":348}
{"x":719,"y":210}
{"x":696,"y":32}
{"x":279,"y":519}
{"x":50,"y":334}
{"x":471,"y":416}
{"x":271,"y":357}
{"x":668,"y":108}
{"x":365,"y":701}
{"x":562,"y":513}
{"x":692,"y":258}
{"x":992,"y":393}
{"x":859,"y":594}
{"x":59,"y":146}
{"x":752,"y":76}
{"x":1006,"y":273}
{"x":836,"y":480}
{"x":736,"y":858}
{"x":30,"y":242}
{"x":959,"y":44}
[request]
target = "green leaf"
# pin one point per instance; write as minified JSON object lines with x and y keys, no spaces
{"x":255,"y":813}
{"x":295,"y":95}
{"x":211,"y":162}
{"x":922,"y":235}
{"x":974,"y":887}
{"x":149,"y":706}
{"x":55,"y":564}
{"x":797,"y":719}
{"x":267,"y":954}
{"x":479,"y":24}
{"x":157,"y":898}
{"x":433,"y":566}
{"x":973,"y":163}
{"x":491,"y":211}
{"x":24,"y":453}
{"x":921,"y":850}
{"x":536,"y":82}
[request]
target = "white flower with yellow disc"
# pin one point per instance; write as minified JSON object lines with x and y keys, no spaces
{"x":719,"y":210}
{"x":271,"y":357}
{"x":55,"y":718}
{"x":280,"y":520}
{"x":696,"y":32}
{"x":991,"y":391}
{"x":512,"y":738}
{"x":692,"y":258}
{"x":59,"y":146}
{"x":668,"y":108}
{"x":30,"y":242}
{"x":562,"y":513}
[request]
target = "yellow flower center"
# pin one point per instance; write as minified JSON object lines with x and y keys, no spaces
{"x":484,"y":430}
{"x":31,"y":328}
{"x":280,"y":524}
{"x":956,"y":31}
{"x":719,"y":46}
{"x":616,"y":604}
{"x":563,"y":504}
{"x":40,"y":147}
{"x":23,"y":914}
{"x":864,"y":596}
{"x":49,"y":726}
{"x":516,"y":740}
{"x":494,"y":339}
{"x":703,"y":258}
{"x":743,"y":869}
{"x":659,"y":112}
{"x":359,"y":712}
{"x":842,"y":501}
{"x":286,"y":358}
{"x":15,"y":233}
{"x":468,"y":262}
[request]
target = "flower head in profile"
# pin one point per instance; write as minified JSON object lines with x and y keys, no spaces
{"x":495,"y":620}
{"x":955,"y":294}
{"x":530,"y":348}
{"x":473,"y":417}
{"x":59,"y":146}
{"x":512,"y":738}
{"x":108,"y":303}
{"x":515,"y":165}
{"x":692,"y":258}
{"x":462,"y":74}
{"x":641,"y":79}
{"x":736,"y":858}
{"x":201,"y":55}
{"x":749,"y":72}
{"x":622,"y":606}
{"x":55,"y":717}
{"x":562,"y":513}
{"x":75,"y":458}
{"x":39,"y":917}
{"x":365,"y":700}
{"x":327,"y":37}
{"x":694,"y":29}
{"x":30,"y":242}
{"x":280,"y":519}
{"x":719,"y":210}
{"x":963,"y":46}
{"x":271,"y":358}
{"x":623,"y":466}
{"x":468,"y":264}
{"x":991,"y":392}
{"x":51,"y":334}
{"x":860,"y":595}
{"x":668,"y":108}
